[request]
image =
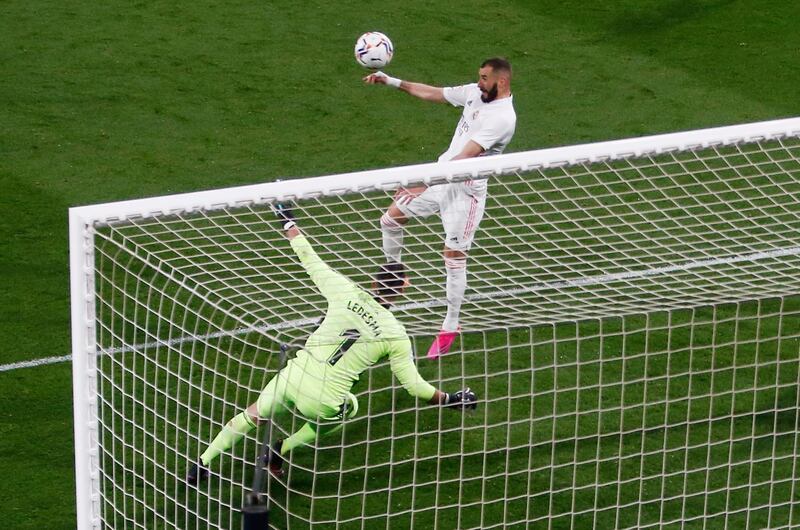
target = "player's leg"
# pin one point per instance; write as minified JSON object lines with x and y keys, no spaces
{"x":233,"y":431}
{"x":305,"y":435}
{"x":327,"y":421}
{"x":398,"y":214}
{"x":461,"y":215}
{"x":455,"y":263}
{"x":324,"y":420}
{"x":392,"y":233}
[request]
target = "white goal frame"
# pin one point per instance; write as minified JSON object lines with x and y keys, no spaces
{"x":83,"y":219}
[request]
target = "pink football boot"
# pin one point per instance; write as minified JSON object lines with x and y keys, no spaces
{"x":442,"y":342}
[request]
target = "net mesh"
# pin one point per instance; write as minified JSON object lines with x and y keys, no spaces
{"x":631,"y":327}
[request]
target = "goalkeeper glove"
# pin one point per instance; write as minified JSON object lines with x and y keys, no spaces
{"x":463,"y":399}
{"x":283,"y":211}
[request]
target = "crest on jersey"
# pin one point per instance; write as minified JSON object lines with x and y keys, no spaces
{"x":475,"y":115}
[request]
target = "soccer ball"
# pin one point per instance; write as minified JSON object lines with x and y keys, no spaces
{"x":374,"y":50}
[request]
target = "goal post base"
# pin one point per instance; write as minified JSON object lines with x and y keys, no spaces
{"x":255,"y":517}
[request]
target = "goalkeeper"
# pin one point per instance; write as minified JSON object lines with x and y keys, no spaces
{"x":358,"y":330}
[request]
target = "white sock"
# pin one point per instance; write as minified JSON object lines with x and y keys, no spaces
{"x":392,"y":238}
{"x":456,"y":285}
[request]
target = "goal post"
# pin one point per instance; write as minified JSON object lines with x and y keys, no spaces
{"x":83,"y":372}
{"x":631,"y":327}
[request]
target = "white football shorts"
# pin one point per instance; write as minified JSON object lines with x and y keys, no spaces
{"x":461,"y":211}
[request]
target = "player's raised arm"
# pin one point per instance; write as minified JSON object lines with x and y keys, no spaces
{"x":329,"y":282}
{"x":419,"y":90}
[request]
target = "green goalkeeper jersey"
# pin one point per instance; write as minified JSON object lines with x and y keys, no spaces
{"x":356,"y":333}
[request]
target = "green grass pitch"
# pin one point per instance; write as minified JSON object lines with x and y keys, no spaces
{"x":121,"y":100}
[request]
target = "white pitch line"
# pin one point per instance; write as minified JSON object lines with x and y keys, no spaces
{"x":608,"y":278}
{"x":34,"y":362}
{"x":579,"y":282}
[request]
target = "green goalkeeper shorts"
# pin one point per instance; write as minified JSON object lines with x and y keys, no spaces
{"x":295,"y":387}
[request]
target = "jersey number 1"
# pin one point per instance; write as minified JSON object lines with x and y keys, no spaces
{"x":351,"y":336}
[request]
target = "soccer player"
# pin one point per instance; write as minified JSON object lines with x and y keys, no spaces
{"x":486,"y":126}
{"x":358,"y":330}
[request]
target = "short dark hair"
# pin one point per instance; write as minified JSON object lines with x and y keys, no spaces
{"x":498,"y":64}
{"x":390,"y":279}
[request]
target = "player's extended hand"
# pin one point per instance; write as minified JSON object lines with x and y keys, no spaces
{"x":463,"y":399}
{"x":283,"y":211}
{"x":406,"y":195}
{"x":377,"y":78}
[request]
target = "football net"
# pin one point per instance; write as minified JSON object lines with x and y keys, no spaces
{"x":631,"y":328}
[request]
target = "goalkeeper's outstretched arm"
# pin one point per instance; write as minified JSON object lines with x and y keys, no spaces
{"x":329,"y":282}
{"x":403,"y":367}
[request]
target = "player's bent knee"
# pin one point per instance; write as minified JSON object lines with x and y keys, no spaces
{"x":389,"y":223}
{"x":252,"y":413}
{"x":395,"y":214}
{"x":451,"y":253}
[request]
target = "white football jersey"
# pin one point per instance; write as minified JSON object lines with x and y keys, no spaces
{"x":490,"y":125}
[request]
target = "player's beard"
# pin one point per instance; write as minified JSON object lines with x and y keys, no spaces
{"x":489,"y":95}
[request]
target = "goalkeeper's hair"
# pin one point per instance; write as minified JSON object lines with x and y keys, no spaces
{"x":498,"y":64}
{"x":389,"y":281}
